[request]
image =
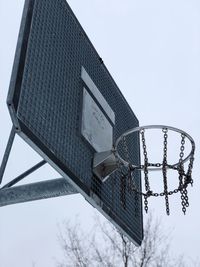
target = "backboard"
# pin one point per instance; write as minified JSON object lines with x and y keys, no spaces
{"x":64,"y":103}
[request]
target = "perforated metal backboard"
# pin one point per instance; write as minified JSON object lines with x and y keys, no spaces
{"x":65,"y":104}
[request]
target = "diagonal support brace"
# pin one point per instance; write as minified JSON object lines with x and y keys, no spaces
{"x":24,"y":174}
{"x":7,"y":153}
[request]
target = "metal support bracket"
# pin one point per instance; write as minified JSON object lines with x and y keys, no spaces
{"x":104,"y":164}
{"x":33,"y":191}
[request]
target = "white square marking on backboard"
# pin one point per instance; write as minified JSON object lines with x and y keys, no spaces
{"x":95,"y":127}
{"x":97,"y":94}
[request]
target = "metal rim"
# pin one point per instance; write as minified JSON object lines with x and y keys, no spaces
{"x":140,"y":128}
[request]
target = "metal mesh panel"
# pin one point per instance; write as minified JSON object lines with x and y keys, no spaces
{"x":50,"y":105}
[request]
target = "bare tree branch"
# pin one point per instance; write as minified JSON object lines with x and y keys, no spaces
{"x":74,"y":246}
{"x":104,"y":246}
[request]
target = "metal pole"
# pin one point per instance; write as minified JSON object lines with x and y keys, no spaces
{"x":35,"y":191}
{"x":7,"y":153}
{"x":24,"y":174}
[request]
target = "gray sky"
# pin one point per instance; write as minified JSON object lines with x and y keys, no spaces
{"x":152,"y":50}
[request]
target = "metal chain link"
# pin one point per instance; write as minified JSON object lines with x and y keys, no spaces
{"x":123,"y":191}
{"x":128,"y":184}
{"x":131,"y":186}
{"x":190,"y":167}
{"x":183,"y":190}
{"x":123,"y":176}
{"x":146,"y":177}
{"x":164,"y":170}
{"x":129,"y":177}
{"x":147,"y":187}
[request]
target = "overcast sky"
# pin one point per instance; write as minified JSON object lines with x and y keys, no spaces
{"x":152,"y":50}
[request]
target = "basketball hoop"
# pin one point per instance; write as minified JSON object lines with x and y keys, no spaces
{"x":107,"y":162}
{"x":184,"y":172}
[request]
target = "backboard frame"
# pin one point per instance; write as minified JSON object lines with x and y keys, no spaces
{"x":30,"y":138}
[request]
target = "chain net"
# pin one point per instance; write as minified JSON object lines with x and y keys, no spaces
{"x":184,"y":176}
